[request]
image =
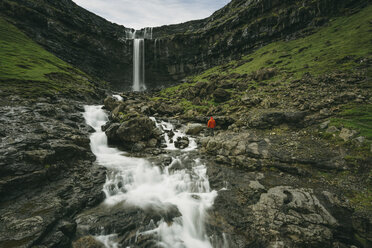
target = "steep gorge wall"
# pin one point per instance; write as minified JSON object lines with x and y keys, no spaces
{"x":99,"y":47}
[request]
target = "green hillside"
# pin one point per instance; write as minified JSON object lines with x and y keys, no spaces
{"x":342,"y":46}
{"x":28,"y":70}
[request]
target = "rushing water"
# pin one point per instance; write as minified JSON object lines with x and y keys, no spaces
{"x":139,"y":37}
{"x":137,"y":182}
{"x":139,"y":65}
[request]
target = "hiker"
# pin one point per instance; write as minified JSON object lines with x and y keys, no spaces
{"x":211,"y":125}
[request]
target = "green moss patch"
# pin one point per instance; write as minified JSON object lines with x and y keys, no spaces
{"x":26,"y":69}
{"x":357,"y":117}
{"x":339,"y":46}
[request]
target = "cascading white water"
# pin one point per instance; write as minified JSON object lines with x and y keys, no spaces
{"x":139,"y":65}
{"x":139,"y":56}
{"x":136,"y":182}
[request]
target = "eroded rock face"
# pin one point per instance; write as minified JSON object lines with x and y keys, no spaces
{"x":295,"y":215}
{"x":47,"y":172}
{"x":268,"y":209}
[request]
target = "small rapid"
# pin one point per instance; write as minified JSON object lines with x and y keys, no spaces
{"x":138,"y":182}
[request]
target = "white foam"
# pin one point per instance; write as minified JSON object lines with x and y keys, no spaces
{"x":137,"y":182}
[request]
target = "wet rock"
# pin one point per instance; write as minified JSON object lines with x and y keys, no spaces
{"x":40,"y":156}
{"x":166,"y":211}
{"x":120,"y":108}
{"x":111,"y":103}
{"x":21,"y":230}
{"x":50,"y":155}
{"x":138,"y":131}
{"x":170,"y":134}
{"x":194,"y":129}
{"x":152,"y":143}
{"x":111,"y":131}
{"x":182,"y":142}
{"x":68,"y":228}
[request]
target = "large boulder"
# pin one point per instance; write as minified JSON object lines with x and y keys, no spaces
{"x":111,"y":103}
{"x":221,"y":95}
{"x":270,"y":118}
{"x":182,"y":142}
{"x":136,"y":131}
{"x":194,"y":128}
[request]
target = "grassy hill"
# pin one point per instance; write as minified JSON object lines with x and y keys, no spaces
{"x":26,"y":69}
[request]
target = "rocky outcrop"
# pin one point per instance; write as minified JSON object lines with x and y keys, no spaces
{"x":129,"y":127}
{"x":182,"y":142}
{"x":268,"y":209}
{"x":47,"y":172}
{"x":135,"y":133}
{"x":252,"y":150}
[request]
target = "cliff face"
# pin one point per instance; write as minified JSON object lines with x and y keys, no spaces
{"x":75,"y":35}
{"x":239,"y":28}
{"x":99,"y":48}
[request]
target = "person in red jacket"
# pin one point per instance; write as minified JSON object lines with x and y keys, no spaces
{"x":211,"y":125}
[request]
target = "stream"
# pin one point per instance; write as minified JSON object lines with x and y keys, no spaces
{"x":137,"y":182}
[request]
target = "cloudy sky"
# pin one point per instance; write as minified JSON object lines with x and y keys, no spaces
{"x":151,"y":13}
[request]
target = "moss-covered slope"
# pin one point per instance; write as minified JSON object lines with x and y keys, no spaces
{"x":342,"y":47}
{"x":27,"y":70}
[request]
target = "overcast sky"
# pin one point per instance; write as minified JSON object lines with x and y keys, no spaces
{"x":151,"y":13}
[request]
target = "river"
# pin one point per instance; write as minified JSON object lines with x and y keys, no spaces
{"x":143,"y":184}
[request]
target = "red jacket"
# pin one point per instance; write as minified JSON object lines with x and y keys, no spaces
{"x":211,"y":123}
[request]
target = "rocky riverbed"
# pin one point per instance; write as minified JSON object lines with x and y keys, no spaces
{"x":275,"y":185}
{"x":277,"y":190}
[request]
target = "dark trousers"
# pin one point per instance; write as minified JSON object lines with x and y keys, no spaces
{"x":210,"y":131}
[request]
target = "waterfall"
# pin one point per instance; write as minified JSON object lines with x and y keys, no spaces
{"x":138,"y":37}
{"x":139,"y":65}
